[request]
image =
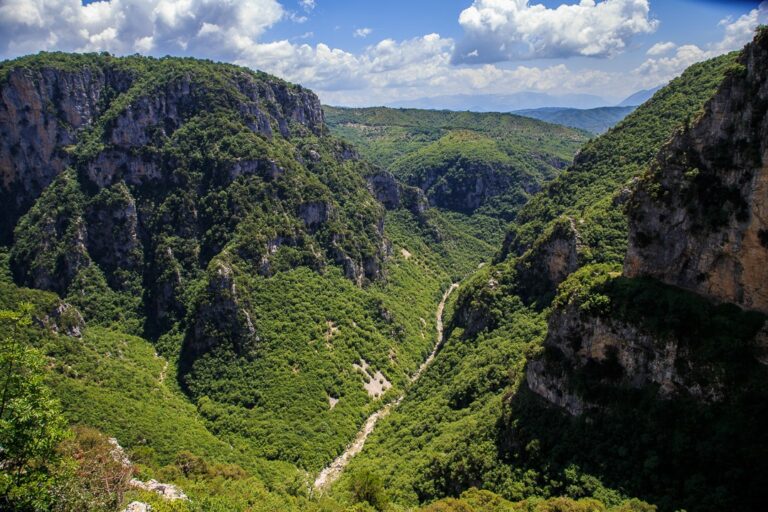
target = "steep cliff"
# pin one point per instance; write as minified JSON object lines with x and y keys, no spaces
{"x":699,"y":219}
{"x":674,"y":347}
{"x":146,"y":169}
{"x":695,"y":221}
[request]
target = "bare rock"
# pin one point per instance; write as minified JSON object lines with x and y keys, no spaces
{"x":699,"y":220}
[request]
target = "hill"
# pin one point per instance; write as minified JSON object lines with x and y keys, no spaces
{"x":639,"y":97}
{"x":473,"y":420}
{"x":233,"y":270}
{"x":465,"y":162}
{"x":594,"y":120}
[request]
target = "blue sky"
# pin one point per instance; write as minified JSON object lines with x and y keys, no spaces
{"x":369,"y":53}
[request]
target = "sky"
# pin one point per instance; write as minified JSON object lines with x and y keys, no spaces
{"x":366,"y":52}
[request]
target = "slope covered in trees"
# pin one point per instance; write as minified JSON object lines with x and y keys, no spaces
{"x":472,"y":421}
{"x":487,"y":164}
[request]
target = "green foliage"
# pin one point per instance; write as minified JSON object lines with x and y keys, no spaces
{"x":590,"y":190}
{"x":468,"y":422}
{"x":31,"y":425}
{"x":367,"y":487}
{"x":383,"y":134}
{"x":94,"y":478}
{"x":448,"y":153}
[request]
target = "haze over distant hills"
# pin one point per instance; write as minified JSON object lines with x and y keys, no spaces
{"x":503,"y":102}
{"x":593,"y":120}
{"x":639,"y":97}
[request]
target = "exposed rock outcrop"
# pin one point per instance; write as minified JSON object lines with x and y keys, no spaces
{"x":699,"y":220}
{"x":393,"y":194}
{"x":166,"y":491}
{"x":554,"y":257}
{"x":63,"y":319}
{"x":600,"y":350}
{"x":142,"y":170}
{"x":222,"y":317}
{"x":698,"y":223}
{"x":475,"y":186}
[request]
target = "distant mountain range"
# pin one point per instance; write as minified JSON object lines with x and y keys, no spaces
{"x":593,"y":120}
{"x":502,"y":102}
{"x":639,"y":97}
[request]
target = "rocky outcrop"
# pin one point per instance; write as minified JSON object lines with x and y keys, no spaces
{"x":42,"y":114}
{"x":45,"y":110}
{"x":63,"y":319}
{"x":699,"y":220}
{"x":474,"y":186}
{"x":394,"y":194}
{"x":143,"y":170}
{"x":221,"y":318}
{"x":698,"y":224}
{"x":555,"y":256}
{"x":166,"y":491}
{"x":583,"y":349}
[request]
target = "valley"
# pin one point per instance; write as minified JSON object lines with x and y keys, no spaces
{"x":271,"y":304}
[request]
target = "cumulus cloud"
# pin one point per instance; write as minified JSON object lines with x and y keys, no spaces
{"x":362,"y":32}
{"x":385,"y":71}
{"x":661,"y":48}
{"x":737,"y":33}
{"x":208,"y":28}
{"x":500,"y":30}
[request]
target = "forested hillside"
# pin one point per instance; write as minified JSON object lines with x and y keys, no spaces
{"x":241,"y":286}
{"x":212,"y":289}
{"x":485,"y":164}
{"x":473,"y":421}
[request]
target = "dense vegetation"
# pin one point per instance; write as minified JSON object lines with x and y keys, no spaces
{"x":592,"y":189}
{"x":468,"y":162}
{"x":230,"y":267}
{"x":592,"y":120}
{"x":470,"y":422}
{"x":212,"y":310}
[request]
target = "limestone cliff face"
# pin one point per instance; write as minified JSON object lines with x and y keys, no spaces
{"x":700,"y":219}
{"x":555,"y":256}
{"x":698,"y":224}
{"x":144,"y":170}
{"x":603,"y":351}
{"x":475,"y":186}
{"x":41,"y":114}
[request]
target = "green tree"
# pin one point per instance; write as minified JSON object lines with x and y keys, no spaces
{"x":368,"y":487}
{"x":31,"y":425}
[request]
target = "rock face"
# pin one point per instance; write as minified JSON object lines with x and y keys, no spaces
{"x":698,"y":223}
{"x":141,"y":171}
{"x":612,"y":352}
{"x":473,"y":185}
{"x":549,"y":262}
{"x":393,"y":194}
{"x":700,"y":219}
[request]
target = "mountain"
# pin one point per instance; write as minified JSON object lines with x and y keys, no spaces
{"x":208,"y":276}
{"x":546,"y":384}
{"x":466,"y":162}
{"x":681,"y":328}
{"x":502,"y":102}
{"x":639,"y":97}
{"x":594,"y":120}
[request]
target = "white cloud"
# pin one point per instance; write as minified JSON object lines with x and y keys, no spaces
{"x":308,"y":5}
{"x":661,"y":48}
{"x":500,"y":30}
{"x":385,"y":71}
{"x":206,"y":28}
{"x":362,"y":32}
{"x":737,"y":33}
